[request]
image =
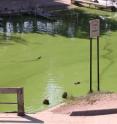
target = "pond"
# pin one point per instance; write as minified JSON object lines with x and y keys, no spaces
{"x":48,"y":56}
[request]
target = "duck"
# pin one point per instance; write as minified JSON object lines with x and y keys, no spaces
{"x":76,"y":83}
{"x":39,"y":57}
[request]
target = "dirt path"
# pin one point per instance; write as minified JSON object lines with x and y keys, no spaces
{"x":96,"y":109}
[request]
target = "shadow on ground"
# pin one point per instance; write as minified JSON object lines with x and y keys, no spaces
{"x":94,"y":112}
{"x":23,"y":119}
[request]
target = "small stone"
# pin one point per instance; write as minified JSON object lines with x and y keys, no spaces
{"x":64,"y":95}
{"x":46,"y":102}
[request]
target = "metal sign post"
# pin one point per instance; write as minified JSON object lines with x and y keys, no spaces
{"x":91,"y":90}
{"x":94,"y":33}
{"x":98,"y":69}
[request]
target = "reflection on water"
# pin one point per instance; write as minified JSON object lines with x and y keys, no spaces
{"x":66,"y":26}
{"x":9,"y":29}
{"x":45,"y":27}
{"x":71,"y":30}
{"x":32,"y":24}
{"x":53,"y":93}
{"x":72,"y":24}
{"x":28,"y":26}
{"x":53,"y":90}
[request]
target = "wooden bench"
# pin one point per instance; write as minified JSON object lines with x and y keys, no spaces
{"x":20,"y":98}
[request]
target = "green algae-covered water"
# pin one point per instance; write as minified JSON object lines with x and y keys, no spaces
{"x":47,"y":57}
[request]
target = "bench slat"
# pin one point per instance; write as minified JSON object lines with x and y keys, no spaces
{"x":9,"y":90}
{"x":8,"y":103}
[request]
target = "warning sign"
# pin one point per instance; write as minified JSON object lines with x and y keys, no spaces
{"x":94,"y":28}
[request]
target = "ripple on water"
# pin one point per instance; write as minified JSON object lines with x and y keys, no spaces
{"x":53,"y":91}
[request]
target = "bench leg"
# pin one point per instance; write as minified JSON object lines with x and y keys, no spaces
{"x":20,"y":101}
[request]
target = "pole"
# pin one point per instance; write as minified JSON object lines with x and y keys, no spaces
{"x":98,"y":75}
{"x":91,"y":65}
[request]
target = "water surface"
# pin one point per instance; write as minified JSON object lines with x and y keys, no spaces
{"x":63,"y":45}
